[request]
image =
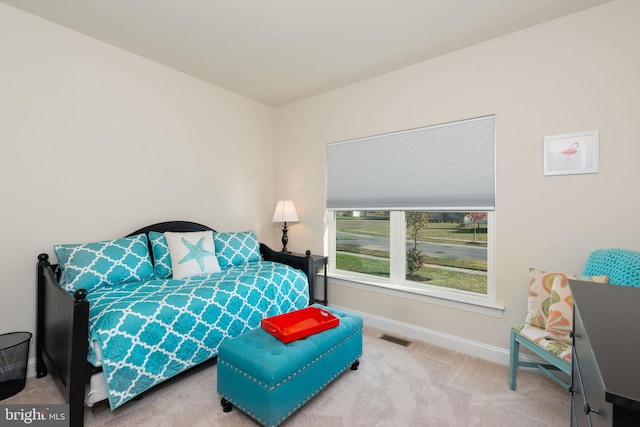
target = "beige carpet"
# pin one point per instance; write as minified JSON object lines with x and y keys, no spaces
{"x":419,"y":385}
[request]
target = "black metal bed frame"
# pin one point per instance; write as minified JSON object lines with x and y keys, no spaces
{"x":62,"y":328}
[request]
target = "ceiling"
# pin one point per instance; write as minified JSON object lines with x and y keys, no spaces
{"x":280,"y":51}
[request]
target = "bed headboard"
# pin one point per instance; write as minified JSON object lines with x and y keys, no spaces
{"x":175,"y":226}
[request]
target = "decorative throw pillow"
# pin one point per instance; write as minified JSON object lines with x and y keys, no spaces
{"x":161,"y":257}
{"x":192,"y":253}
{"x":237,"y":248}
{"x":540,"y":283}
{"x":110,"y":262}
{"x":560,"y":320}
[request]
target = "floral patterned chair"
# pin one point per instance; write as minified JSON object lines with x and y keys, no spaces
{"x":549,"y":320}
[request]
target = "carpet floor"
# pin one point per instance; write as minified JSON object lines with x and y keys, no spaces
{"x":418,"y":385}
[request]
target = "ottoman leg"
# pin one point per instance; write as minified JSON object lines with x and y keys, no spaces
{"x":226,"y":405}
{"x":354,"y":365}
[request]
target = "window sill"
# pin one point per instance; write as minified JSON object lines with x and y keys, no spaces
{"x":447,"y":298}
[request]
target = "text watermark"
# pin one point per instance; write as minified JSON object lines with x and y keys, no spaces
{"x":34,"y":415}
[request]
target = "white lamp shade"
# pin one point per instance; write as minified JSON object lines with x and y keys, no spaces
{"x":285,"y":212}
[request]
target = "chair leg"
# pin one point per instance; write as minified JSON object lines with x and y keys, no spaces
{"x":514,"y":350}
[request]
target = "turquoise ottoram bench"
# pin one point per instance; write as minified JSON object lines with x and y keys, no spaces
{"x":270,"y":380}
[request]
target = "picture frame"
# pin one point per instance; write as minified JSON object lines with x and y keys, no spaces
{"x":571,"y":153}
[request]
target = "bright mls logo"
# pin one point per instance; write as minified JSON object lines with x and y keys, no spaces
{"x":34,"y":415}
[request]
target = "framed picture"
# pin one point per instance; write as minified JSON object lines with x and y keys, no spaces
{"x":571,"y":153}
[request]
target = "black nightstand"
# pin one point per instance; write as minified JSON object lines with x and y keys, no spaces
{"x":318,"y":262}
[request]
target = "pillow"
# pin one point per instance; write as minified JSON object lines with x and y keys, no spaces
{"x":192,"y":253}
{"x":161,"y":258}
{"x":236,"y":248}
{"x":109,"y":262}
{"x":540,"y":283}
{"x":560,"y":320}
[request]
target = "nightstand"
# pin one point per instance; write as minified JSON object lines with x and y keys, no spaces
{"x":318,"y":262}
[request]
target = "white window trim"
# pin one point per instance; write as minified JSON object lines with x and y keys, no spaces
{"x":464,"y":300}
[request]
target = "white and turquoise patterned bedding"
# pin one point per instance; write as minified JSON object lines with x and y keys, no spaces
{"x":150,"y":331}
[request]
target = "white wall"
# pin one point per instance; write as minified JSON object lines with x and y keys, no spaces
{"x":578,"y":73}
{"x":97,"y":142}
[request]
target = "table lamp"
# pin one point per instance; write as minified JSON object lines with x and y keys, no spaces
{"x":285,"y":211}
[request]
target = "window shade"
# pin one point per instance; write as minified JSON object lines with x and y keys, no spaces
{"x":443,"y":167}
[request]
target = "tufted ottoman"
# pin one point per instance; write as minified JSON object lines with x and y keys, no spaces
{"x":270,"y":380}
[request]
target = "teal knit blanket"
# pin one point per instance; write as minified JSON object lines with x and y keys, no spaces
{"x":621,"y":265}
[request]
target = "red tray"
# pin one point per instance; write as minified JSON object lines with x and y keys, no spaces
{"x":298,"y":324}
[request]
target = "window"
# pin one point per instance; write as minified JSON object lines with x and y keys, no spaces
{"x":413,"y":210}
{"x":446,"y":250}
{"x":362,"y":242}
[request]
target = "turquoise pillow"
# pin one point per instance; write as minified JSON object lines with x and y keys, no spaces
{"x":236,"y":248}
{"x":110,"y":262}
{"x":161,"y":259}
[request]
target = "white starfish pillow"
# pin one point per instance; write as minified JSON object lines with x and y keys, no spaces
{"x":192,"y":253}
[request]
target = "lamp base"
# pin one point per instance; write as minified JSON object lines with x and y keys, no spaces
{"x":285,"y":239}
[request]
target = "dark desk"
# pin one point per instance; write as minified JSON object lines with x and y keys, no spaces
{"x":605,"y":387}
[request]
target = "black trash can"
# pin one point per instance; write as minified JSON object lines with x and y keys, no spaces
{"x":14,"y":354}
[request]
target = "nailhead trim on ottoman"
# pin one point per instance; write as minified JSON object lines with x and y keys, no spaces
{"x":270,"y":380}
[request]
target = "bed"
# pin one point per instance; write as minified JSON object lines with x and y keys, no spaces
{"x":127,"y":336}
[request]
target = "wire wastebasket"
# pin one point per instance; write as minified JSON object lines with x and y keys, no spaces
{"x":14,"y":354}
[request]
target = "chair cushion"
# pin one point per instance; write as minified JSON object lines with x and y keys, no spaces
{"x":560,"y":320}
{"x":540,"y":283}
{"x":536,"y":336}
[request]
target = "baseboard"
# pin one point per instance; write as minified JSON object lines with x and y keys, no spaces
{"x":451,"y":342}
{"x":31,"y":368}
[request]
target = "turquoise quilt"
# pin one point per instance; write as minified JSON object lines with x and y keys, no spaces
{"x":150,"y":331}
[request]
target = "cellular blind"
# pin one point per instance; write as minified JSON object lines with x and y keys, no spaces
{"x":449,"y":166}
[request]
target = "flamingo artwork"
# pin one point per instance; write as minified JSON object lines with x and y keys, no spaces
{"x":572,"y":150}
